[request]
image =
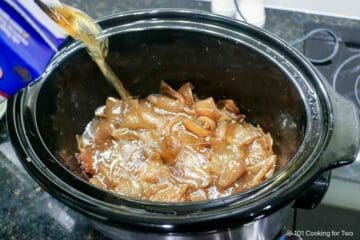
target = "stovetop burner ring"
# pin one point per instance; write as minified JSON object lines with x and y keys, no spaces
{"x":356,"y":89}
{"x":338,"y":70}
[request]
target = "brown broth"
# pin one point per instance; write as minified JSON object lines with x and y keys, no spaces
{"x":81,"y":27}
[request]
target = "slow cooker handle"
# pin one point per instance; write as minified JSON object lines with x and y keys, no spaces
{"x":343,"y":147}
{"x":313,"y":194}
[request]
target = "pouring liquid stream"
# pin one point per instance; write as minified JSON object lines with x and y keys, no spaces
{"x":81,"y":27}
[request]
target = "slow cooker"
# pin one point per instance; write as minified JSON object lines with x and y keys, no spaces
{"x":313,"y":127}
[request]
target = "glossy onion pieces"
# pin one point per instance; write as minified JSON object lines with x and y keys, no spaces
{"x":173,"y":147}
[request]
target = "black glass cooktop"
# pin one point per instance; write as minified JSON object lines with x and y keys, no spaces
{"x":342,"y":72}
{"x":347,"y":81}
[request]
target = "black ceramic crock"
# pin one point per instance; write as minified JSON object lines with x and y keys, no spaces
{"x":314,"y":129}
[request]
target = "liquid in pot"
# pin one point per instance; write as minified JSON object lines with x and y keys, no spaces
{"x":81,"y":27}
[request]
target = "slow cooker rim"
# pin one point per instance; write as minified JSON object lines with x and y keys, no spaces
{"x":179,"y":204}
{"x":176,"y":12}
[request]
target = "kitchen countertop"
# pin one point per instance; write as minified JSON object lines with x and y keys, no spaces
{"x":26,"y":211}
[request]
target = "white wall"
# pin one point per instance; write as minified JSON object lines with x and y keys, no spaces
{"x":340,"y":8}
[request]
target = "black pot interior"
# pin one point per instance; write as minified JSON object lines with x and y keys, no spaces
{"x":216,"y":67}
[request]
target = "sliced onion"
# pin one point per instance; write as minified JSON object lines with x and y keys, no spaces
{"x":100,"y":111}
{"x":241,"y":134}
{"x":113,"y":107}
{"x":231,"y":170}
{"x":166,"y":89}
{"x":124,"y":134}
{"x":207,"y":123}
{"x":229,"y":105}
{"x":199,"y":195}
{"x":166,"y":103}
{"x":172,"y":193}
{"x":195,"y":128}
{"x":220,"y":131}
{"x":207,"y":108}
{"x":169,"y":148}
{"x":186,"y":91}
{"x":269,"y":165}
{"x":178,"y":148}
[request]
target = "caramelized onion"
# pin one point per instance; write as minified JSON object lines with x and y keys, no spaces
{"x":186,"y":92}
{"x":195,"y":128}
{"x":166,"y":103}
{"x":173,"y":147}
{"x":269,"y":165}
{"x":207,"y":123}
{"x":207,"y":108}
{"x":166,"y":89}
{"x":231,"y":170}
{"x":229,"y":105}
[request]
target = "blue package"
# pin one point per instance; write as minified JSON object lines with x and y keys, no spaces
{"x":28,"y":41}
